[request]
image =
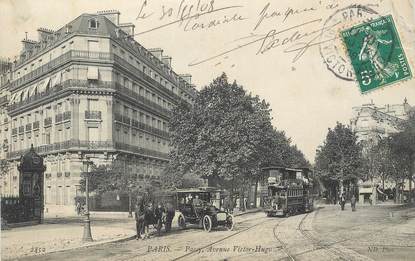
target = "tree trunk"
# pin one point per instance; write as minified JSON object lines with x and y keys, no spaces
{"x":256,"y":193}
{"x":411,"y":169}
{"x":242,"y":196}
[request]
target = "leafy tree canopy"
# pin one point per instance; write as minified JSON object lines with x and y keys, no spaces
{"x":340,"y":156}
{"x":227,"y":133}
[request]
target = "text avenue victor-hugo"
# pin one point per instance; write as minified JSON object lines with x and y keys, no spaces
{"x":212,"y":249}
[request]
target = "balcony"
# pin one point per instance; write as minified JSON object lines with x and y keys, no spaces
{"x":28,"y":127}
{"x":55,"y":63}
{"x":36,"y":125}
{"x":66,"y":145}
{"x":47,"y":122}
{"x":67,"y":116}
{"x":139,"y":150}
{"x":21,"y":129}
{"x":129,"y":93}
{"x":134,"y":123}
{"x":87,"y":84}
{"x":126,"y":119}
{"x":93,"y":115}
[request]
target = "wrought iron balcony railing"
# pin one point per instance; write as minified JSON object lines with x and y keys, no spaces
{"x":73,"y":54}
{"x":89,"y":145}
{"x":66,"y":145}
{"x":87,"y":84}
{"x":140,"y":150}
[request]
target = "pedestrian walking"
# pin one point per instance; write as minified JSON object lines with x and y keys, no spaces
{"x":139,"y":219}
{"x":78,"y":208}
{"x":342,"y":200}
{"x":170,"y":215}
{"x":353,"y":203}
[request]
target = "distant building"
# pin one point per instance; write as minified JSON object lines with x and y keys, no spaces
{"x":90,"y":90}
{"x":371,"y":123}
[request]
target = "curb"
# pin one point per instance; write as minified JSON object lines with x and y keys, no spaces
{"x":126,"y":238}
{"x":118,"y":240}
{"x":248,"y":212}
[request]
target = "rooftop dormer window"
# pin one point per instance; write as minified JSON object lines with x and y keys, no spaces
{"x":93,"y":23}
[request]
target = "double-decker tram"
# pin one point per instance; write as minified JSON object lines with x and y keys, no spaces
{"x":288,"y":191}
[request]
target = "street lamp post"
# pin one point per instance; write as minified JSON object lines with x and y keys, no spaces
{"x":87,"y":226}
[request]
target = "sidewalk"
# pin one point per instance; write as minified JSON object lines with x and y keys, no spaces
{"x":60,"y":234}
{"x":65,"y":233}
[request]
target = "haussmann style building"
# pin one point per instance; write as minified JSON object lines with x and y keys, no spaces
{"x":372,"y":123}
{"x":87,"y":91}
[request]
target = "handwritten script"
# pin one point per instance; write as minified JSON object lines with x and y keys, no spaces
{"x":293,"y":37}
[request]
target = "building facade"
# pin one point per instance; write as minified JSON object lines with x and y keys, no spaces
{"x":371,"y":123}
{"x":88,"y":91}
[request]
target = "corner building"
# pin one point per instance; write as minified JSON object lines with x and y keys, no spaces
{"x":89,"y":90}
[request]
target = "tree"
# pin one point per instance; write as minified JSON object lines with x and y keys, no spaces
{"x":339,"y":160}
{"x":403,"y":143}
{"x":226,"y":135}
{"x":116,"y":177}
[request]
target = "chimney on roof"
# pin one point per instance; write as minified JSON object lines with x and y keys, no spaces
{"x":112,"y":15}
{"x":157,"y":52}
{"x":166,"y":60}
{"x":128,"y":28}
{"x":187,"y":78}
{"x":28,"y":44}
{"x":44,"y":34}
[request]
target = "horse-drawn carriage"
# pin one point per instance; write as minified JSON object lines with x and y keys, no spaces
{"x":200,"y":206}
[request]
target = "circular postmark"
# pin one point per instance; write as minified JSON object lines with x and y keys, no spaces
{"x":331,"y":47}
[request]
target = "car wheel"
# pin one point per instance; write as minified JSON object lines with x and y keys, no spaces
{"x":181,"y":221}
{"x":229,"y":222}
{"x":207,"y":223}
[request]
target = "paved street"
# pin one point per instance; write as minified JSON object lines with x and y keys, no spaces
{"x":378,"y":233}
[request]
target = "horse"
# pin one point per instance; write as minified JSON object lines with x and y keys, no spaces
{"x":153,"y":216}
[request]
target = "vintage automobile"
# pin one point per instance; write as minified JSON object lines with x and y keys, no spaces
{"x":202,"y":206}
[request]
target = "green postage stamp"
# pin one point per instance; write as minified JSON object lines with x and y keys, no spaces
{"x":376,"y":53}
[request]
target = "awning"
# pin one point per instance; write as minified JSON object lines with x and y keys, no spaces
{"x":92,"y":73}
{"x":18,"y":96}
{"x":57,"y":79}
{"x":41,"y":87}
{"x":33,"y":90}
{"x":26,"y":93}
{"x":12,"y":98}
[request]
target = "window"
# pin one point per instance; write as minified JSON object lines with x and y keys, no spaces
{"x":93,"y":24}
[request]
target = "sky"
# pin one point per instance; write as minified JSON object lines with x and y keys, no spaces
{"x":274,"y":49}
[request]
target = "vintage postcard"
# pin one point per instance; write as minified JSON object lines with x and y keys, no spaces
{"x":207,"y":130}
